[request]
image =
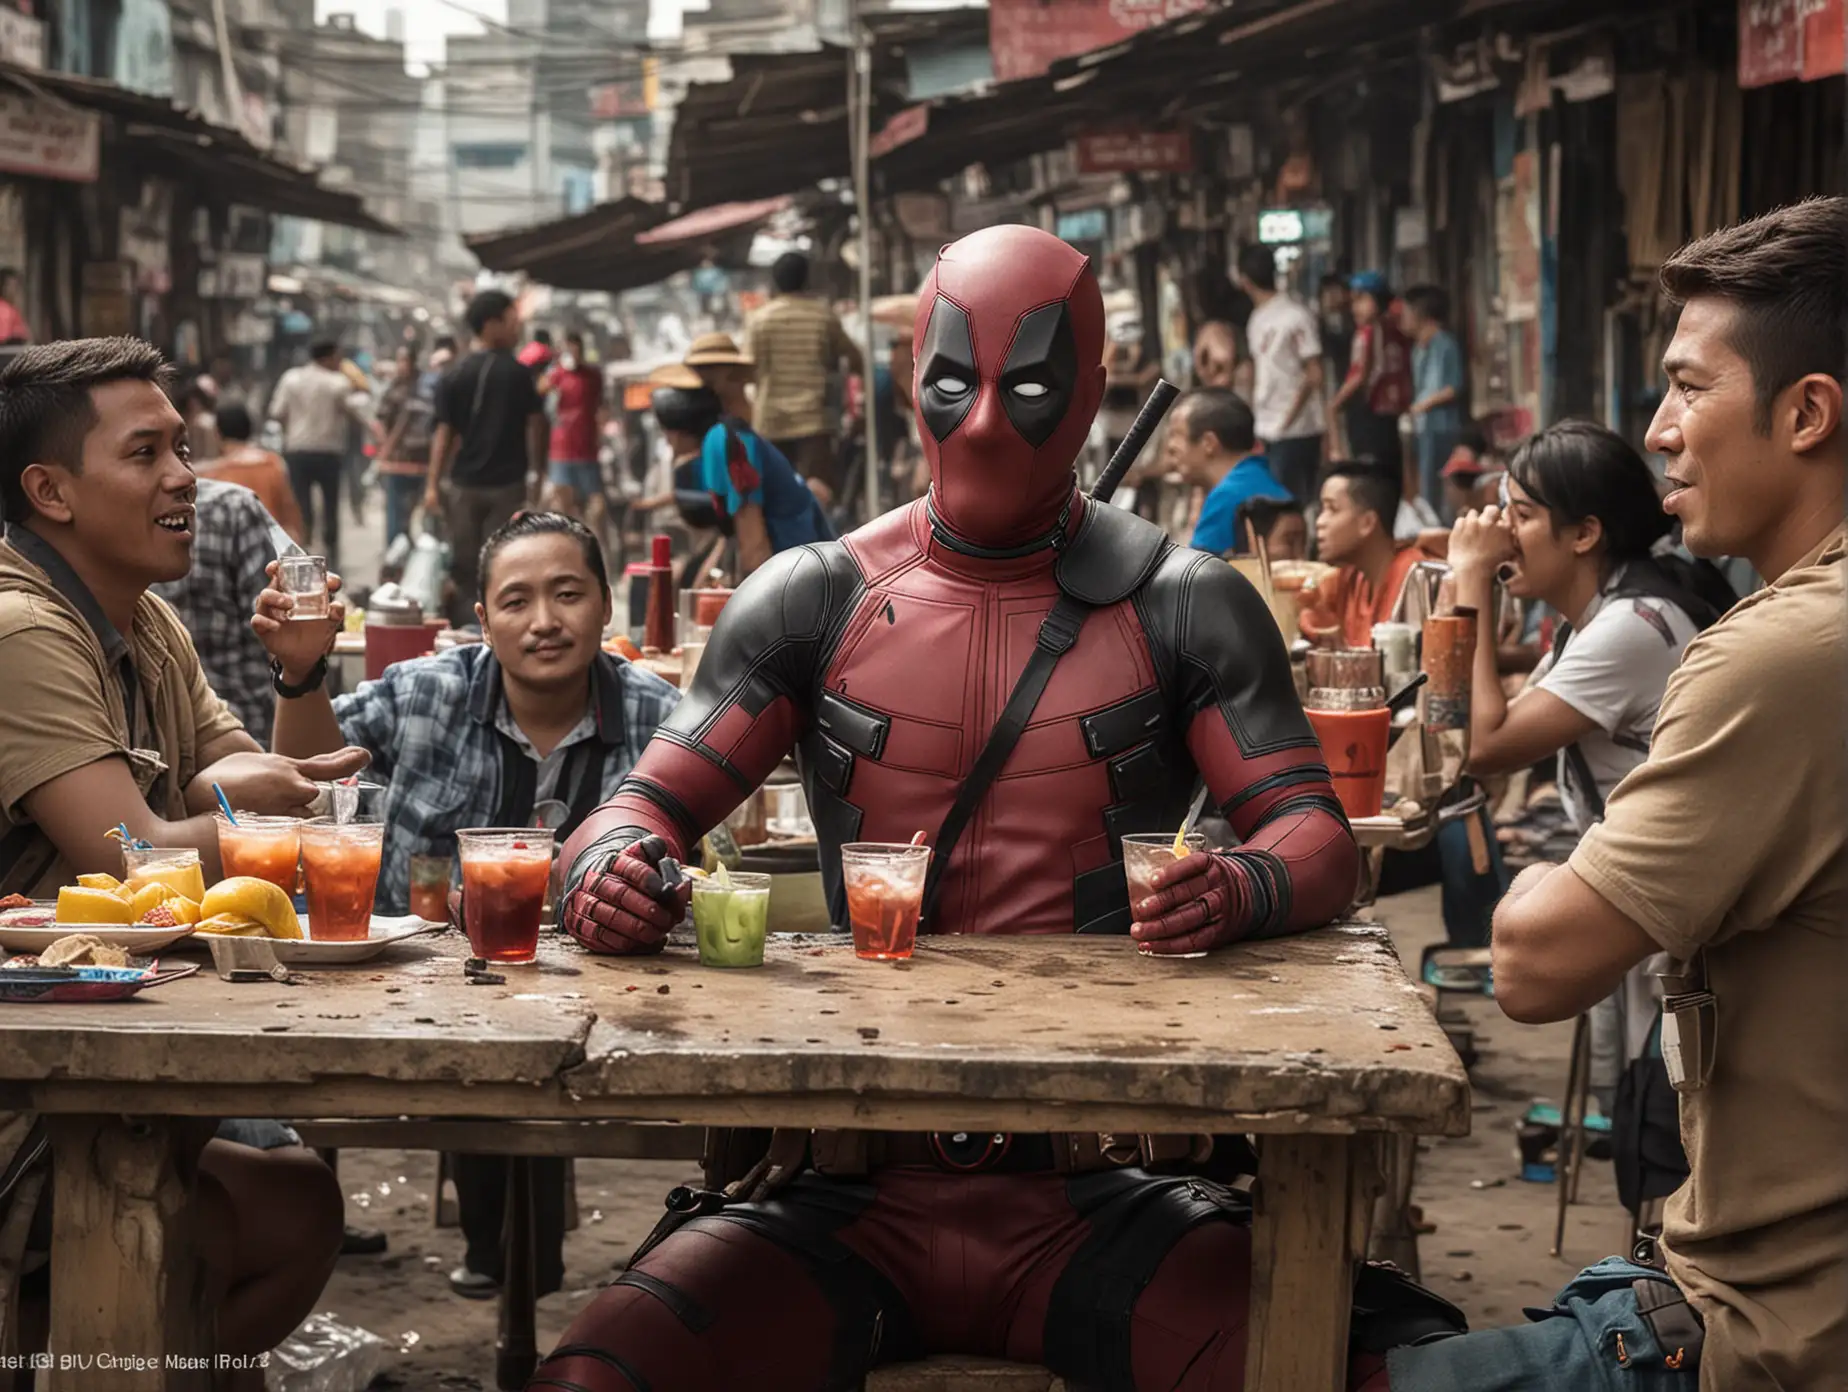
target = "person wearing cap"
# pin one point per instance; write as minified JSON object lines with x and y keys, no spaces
{"x":761,"y":499}
{"x":573,"y":477}
{"x":1378,"y":385}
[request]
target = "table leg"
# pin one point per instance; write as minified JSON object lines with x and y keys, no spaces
{"x":1309,"y":1228}
{"x":516,"y":1351}
{"x":125,"y":1280}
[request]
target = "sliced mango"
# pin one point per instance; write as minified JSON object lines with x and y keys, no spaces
{"x":183,"y":910}
{"x":99,"y":881}
{"x":245,"y":896}
{"x":185,"y":879}
{"x":150,"y":896}
{"x":77,"y":904}
{"x":232,"y":926}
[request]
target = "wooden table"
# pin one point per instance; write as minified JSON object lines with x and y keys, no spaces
{"x":1319,"y":1043}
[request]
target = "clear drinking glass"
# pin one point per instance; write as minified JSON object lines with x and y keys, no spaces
{"x":1144,"y":853}
{"x":731,"y":918}
{"x":304,"y":579}
{"x":340,"y":862}
{"x":505,"y":872}
{"x":885,"y":892}
{"x":431,"y":876}
{"x":177,"y":867}
{"x":268,"y":848}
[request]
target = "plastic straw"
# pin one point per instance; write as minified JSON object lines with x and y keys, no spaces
{"x":224,"y":804}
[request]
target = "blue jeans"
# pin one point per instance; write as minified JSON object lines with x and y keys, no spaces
{"x":403,"y":492}
{"x":1435,"y":443}
{"x":1592,"y":1339}
{"x":582,"y":477}
{"x":1469,"y":898}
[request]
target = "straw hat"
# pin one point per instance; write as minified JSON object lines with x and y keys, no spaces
{"x":715,"y":350}
{"x":675,"y":375}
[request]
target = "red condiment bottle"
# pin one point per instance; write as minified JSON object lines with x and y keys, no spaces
{"x":658,"y":628}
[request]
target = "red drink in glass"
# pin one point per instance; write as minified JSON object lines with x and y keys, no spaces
{"x":340,"y":862}
{"x":504,"y":879}
{"x":268,"y":848}
{"x":885,"y":892}
{"x":430,"y":876}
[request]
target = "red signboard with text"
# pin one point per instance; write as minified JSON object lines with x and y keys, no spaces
{"x":1783,"y":40}
{"x":1135,"y":152}
{"x":1029,"y":36}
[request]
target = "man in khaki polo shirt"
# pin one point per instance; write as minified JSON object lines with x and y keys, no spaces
{"x":106,"y":717}
{"x":1726,"y":850}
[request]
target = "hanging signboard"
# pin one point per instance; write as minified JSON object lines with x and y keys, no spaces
{"x":1135,"y":152}
{"x":22,"y":39}
{"x":1787,"y":40}
{"x":1027,"y":37}
{"x":48,"y":141}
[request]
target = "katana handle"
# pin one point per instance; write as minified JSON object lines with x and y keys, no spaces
{"x":1147,"y":419}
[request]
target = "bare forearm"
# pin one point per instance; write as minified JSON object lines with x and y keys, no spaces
{"x":1488,"y":709}
{"x":442,"y":450}
{"x":536,"y":442}
{"x":306,"y":726}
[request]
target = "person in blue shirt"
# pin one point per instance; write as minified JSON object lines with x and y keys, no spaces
{"x":1439,"y":391}
{"x":760,"y":499}
{"x":1212,"y":443}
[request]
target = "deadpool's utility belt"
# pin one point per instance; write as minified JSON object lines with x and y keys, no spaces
{"x":731,"y":1166}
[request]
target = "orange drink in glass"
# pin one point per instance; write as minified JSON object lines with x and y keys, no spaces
{"x":430,"y":877}
{"x":885,"y":892}
{"x":341,"y":864}
{"x":268,"y":848}
{"x":505,"y":872}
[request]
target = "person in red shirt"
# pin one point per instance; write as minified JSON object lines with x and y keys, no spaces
{"x":1378,"y":386}
{"x":577,"y":435}
{"x":13,"y":326}
{"x":1353,"y":532}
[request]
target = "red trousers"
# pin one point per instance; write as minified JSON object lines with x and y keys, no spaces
{"x":1119,"y":1282}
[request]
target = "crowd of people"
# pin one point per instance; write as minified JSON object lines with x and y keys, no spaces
{"x":1695,"y":737}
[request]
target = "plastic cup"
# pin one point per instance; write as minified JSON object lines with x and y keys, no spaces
{"x":267,"y":848}
{"x":1144,"y":853}
{"x":731,"y":918}
{"x":885,"y":892}
{"x":505,"y":872}
{"x":340,"y":862}
{"x":177,"y":867}
{"x":1354,"y":747}
{"x":431,"y":876}
{"x":304,"y":579}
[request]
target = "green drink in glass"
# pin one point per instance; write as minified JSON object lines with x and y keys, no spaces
{"x":731,"y":917}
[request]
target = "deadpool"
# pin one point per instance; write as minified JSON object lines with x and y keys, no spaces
{"x":1125,"y":672}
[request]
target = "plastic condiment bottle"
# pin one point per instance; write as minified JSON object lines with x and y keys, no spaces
{"x":658,"y":629}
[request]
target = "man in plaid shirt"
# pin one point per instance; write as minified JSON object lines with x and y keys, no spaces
{"x":231,"y":547}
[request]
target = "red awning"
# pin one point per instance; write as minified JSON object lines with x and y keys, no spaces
{"x":708,"y":222}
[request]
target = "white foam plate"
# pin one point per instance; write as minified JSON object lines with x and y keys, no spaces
{"x":385,"y":932}
{"x":138,"y":940}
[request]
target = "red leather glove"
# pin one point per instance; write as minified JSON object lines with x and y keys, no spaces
{"x":1205,"y":900}
{"x":627,"y":909}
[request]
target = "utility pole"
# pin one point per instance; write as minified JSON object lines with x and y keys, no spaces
{"x":859,"y":116}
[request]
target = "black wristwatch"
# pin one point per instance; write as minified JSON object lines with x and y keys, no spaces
{"x":316,"y":675}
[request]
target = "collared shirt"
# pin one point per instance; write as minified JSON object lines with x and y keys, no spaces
{"x":316,"y":407}
{"x":78,"y":691}
{"x":1729,"y":845}
{"x":432,"y":727}
{"x":796,"y":342}
{"x":263,"y":473}
{"x":1217,"y":530}
{"x":232,"y":546}
{"x":1438,"y":363}
{"x":549,"y":766}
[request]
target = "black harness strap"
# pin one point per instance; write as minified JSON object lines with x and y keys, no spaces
{"x":591,"y":1351}
{"x":1057,"y":634}
{"x":695,"y":1316}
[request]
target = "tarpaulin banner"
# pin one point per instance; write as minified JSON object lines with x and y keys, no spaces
{"x":1029,"y":36}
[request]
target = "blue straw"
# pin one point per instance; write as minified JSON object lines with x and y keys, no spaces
{"x":224,"y":804}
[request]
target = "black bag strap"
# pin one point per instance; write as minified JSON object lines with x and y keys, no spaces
{"x":1057,"y":634}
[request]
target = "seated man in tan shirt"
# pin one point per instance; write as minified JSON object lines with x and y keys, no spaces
{"x":1726,"y":850}
{"x":108,"y":718}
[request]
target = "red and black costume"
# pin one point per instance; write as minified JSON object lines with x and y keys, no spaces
{"x":883,"y":661}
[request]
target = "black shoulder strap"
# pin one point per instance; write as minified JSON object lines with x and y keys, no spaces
{"x":1057,"y":634}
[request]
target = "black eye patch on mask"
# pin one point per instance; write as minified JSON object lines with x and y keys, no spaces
{"x":947,"y":376}
{"x":1041,"y":373}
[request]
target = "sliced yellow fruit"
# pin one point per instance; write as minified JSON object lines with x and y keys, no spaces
{"x":232,"y":926}
{"x":183,"y":910}
{"x":99,"y":881}
{"x":185,"y":879}
{"x":149,"y":896}
{"x":77,"y":904}
{"x":248,"y":897}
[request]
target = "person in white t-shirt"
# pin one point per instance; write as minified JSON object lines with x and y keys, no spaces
{"x":1578,"y":530}
{"x":1284,"y":339}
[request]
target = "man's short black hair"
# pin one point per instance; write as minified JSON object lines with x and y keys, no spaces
{"x":443,"y":341}
{"x":790,"y":273}
{"x":1258,"y":264}
{"x":1373,"y":487}
{"x":322,"y":349}
{"x":46,"y":408}
{"x":531,"y":524}
{"x":689,"y":410}
{"x":543,"y":337}
{"x":485,"y":308}
{"x":1786,"y":276}
{"x":1263,"y":514}
{"x":1431,"y":301}
{"x":233,"y":422}
{"x":1222,"y":412}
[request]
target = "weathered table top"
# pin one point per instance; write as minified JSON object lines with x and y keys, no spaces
{"x":1319,"y":1033}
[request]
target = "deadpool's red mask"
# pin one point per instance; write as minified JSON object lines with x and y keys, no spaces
{"x":1009,"y":348}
